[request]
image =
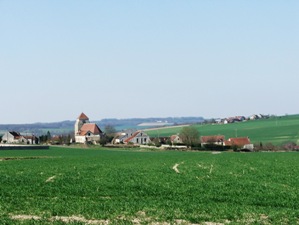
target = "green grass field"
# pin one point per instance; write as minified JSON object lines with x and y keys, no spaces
{"x":98,"y":186}
{"x":277,"y":130}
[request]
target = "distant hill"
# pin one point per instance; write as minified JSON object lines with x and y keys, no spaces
{"x":67,"y":126}
{"x":140,"y":123}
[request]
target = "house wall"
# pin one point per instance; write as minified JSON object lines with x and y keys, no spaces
{"x":141,"y":138}
{"x":80,"y":139}
{"x":8,"y":137}
{"x":176,"y":140}
{"x":121,"y":139}
{"x":94,"y":138}
{"x":79,"y":123}
{"x":24,"y":140}
{"x":83,"y":139}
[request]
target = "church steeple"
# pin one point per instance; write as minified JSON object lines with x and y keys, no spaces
{"x":82,"y":119}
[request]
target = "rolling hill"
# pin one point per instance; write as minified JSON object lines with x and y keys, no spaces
{"x":275,"y":130}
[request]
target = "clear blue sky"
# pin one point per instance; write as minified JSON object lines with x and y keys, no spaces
{"x":124,"y":59}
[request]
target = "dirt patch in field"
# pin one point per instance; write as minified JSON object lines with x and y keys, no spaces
{"x":50,"y":179}
{"x":212,"y":223}
{"x":139,"y":219}
{"x":216,"y":153}
{"x":254,"y":219}
{"x":25,"y":217}
{"x":64,"y":219}
{"x":72,"y":219}
{"x":175,"y":167}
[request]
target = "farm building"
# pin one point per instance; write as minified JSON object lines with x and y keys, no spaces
{"x":122,"y":136}
{"x":13,"y":137}
{"x":214,"y":139}
{"x":139,"y":137}
{"x":86,"y":131}
{"x":239,"y":142}
{"x":175,"y":139}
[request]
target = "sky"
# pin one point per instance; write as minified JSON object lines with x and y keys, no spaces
{"x":138,"y":59}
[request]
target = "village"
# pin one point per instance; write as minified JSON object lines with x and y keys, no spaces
{"x":86,"y":132}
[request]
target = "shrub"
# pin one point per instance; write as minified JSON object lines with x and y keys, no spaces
{"x":215,"y":147}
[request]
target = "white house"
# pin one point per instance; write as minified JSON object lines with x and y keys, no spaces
{"x":86,"y":131}
{"x":122,"y":136}
{"x":139,"y":137}
{"x":13,"y":137}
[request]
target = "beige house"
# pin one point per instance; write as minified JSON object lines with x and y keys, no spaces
{"x":86,"y":131}
{"x":214,"y":139}
{"x":175,"y":139}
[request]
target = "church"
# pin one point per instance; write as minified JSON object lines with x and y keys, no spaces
{"x":86,"y":131}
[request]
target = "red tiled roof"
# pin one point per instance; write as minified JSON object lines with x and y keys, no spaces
{"x":92,"y":127}
{"x":173,"y":137}
{"x":241,"y":141}
{"x":83,"y":117}
{"x":29,"y":137}
{"x":214,"y":138}
{"x":130,"y":138}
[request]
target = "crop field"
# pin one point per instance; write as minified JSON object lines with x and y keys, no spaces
{"x":100,"y":186}
{"x":277,"y":130}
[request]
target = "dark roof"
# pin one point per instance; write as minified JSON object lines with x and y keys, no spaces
{"x":14,"y":133}
{"x":214,"y":138}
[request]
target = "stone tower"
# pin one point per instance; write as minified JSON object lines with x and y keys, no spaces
{"x":82,"y":119}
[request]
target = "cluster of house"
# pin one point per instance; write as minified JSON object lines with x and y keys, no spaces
{"x":85,"y":131}
{"x":241,"y":118}
{"x":219,"y":140}
{"x":90,"y":132}
{"x":13,"y":137}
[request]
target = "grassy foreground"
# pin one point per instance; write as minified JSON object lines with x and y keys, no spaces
{"x":81,"y":186}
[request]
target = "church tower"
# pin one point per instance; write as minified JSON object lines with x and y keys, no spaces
{"x":82,"y":119}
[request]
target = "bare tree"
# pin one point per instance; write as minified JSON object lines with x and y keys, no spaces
{"x":110,"y":130}
{"x":190,"y":136}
